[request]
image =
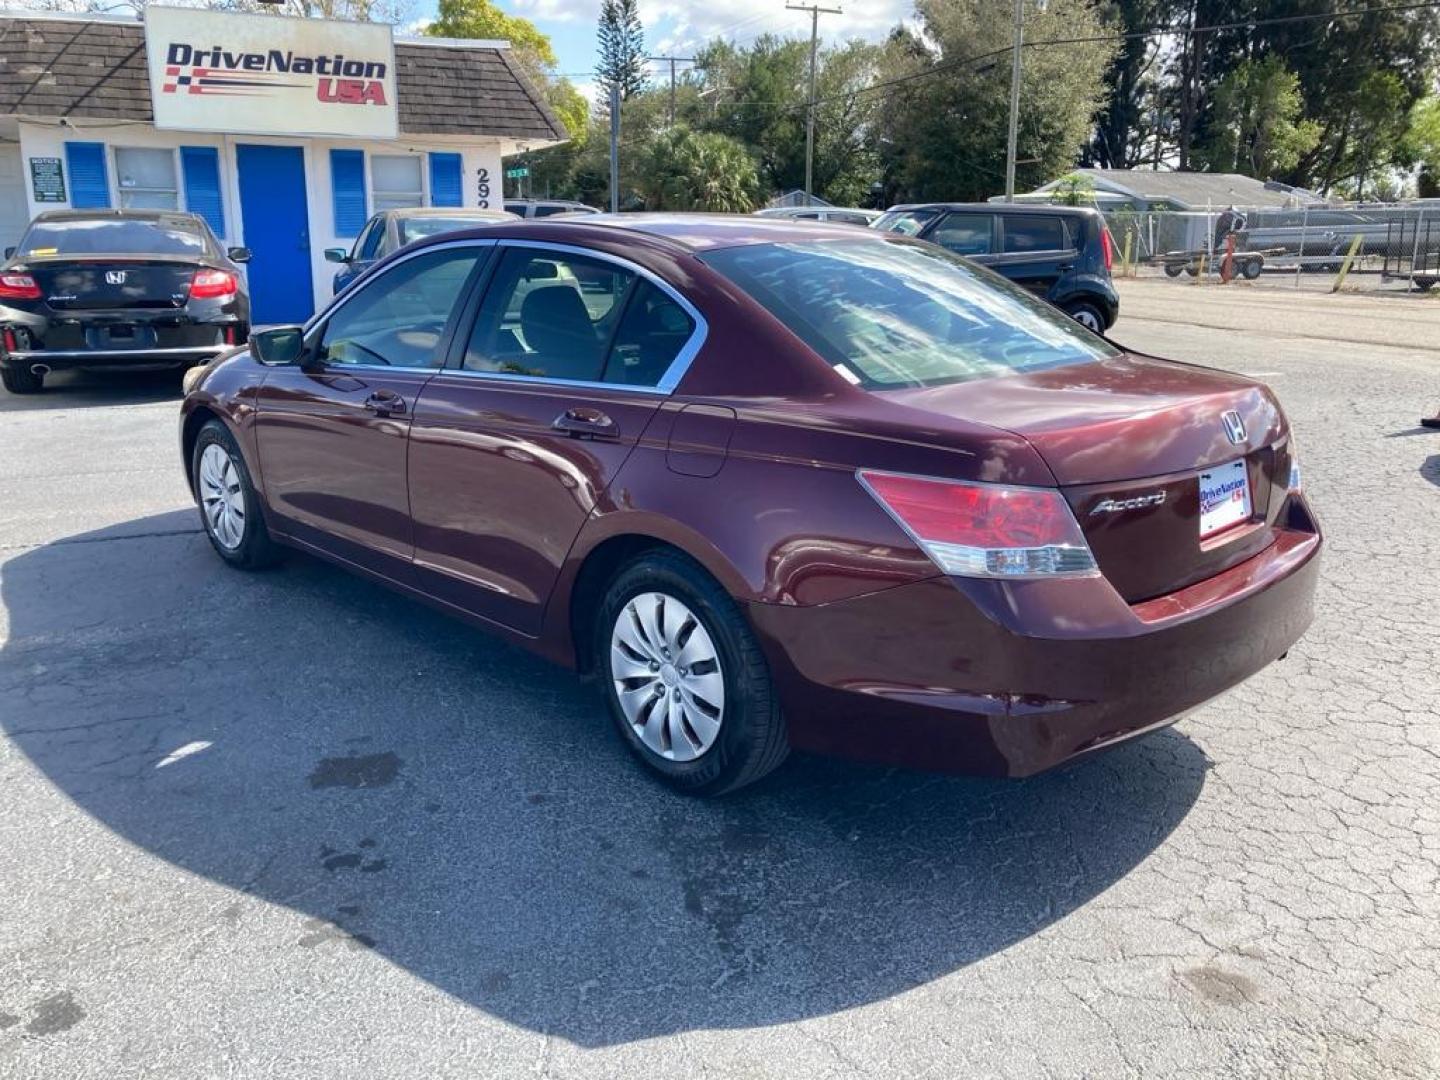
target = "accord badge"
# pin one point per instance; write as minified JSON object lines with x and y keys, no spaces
{"x":1114,"y":506}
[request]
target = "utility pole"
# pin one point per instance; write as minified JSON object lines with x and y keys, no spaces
{"x":672,"y":60}
{"x":815,"y":12}
{"x":1014,"y":133}
{"x":615,"y":148}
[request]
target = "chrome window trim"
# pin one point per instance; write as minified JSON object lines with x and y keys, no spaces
{"x":666,"y":384}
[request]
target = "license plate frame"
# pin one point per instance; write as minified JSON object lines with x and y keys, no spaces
{"x":1225,"y":499}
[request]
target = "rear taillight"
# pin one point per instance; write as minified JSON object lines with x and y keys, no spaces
{"x":8,"y":336}
{"x":985,"y":530}
{"x":208,"y":284}
{"x":18,"y":287}
{"x":1107,"y":247}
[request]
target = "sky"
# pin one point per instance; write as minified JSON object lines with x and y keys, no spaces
{"x":679,"y":27}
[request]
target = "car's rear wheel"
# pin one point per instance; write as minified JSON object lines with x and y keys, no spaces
{"x":19,"y":381}
{"x":229,"y":503}
{"x":1087,"y":315}
{"x":686,"y":681}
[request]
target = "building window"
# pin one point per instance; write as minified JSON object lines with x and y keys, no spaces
{"x":396,"y":181}
{"x":146,"y":178}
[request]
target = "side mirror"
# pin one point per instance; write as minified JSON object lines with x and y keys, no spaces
{"x":9,"y":251}
{"x":278,"y":345}
{"x":238,"y":254}
{"x":339,"y":255}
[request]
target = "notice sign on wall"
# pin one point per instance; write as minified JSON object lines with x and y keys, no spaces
{"x":264,"y":74}
{"x":47,"y":179}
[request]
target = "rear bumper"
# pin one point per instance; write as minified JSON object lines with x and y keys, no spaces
{"x":62,"y":359}
{"x":1011,"y":679}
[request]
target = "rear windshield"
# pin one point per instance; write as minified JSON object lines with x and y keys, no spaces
{"x":418,"y":227}
{"x":115,"y":236}
{"x":897,"y":314}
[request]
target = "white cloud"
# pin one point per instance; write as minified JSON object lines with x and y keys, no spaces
{"x":689,"y":24}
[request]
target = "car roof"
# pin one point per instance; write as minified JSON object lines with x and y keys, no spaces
{"x":449,"y":211}
{"x":118,"y":215}
{"x":997,"y":208}
{"x":697,"y":232}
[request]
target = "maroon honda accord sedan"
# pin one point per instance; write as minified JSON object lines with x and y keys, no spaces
{"x":774,"y":485}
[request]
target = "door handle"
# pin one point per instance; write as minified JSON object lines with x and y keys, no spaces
{"x":582,"y":423}
{"x":384,"y":403}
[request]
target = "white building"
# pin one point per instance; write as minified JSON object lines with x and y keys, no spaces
{"x":285,"y":134}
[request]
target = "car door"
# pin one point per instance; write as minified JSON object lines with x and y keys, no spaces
{"x":569,"y":357}
{"x":1035,"y":250}
{"x":332,"y":433}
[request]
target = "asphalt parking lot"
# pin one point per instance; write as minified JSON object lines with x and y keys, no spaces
{"x":291,"y":825}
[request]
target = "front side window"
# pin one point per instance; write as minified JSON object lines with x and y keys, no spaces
{"x":552,"y":209}
{"x":1033,"y":232}
{"x":889,"y":315}
{"x":397,"y":181}
{"x":146,"y":178}
{"x":399,"y":318}
{"x":559,"y":316}
{"x":161,"y":235}
{"x":370,"y":249}
{"x":964,"y":234}
{"x":905,"y":222}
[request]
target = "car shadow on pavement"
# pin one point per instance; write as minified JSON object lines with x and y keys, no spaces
{"x":1430,"y":469}
{"x":78,"y":389}
{"x":407,"y":785}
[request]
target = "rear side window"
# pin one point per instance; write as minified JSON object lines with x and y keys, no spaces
{"x":116,"y":236}
{"x":557,"y":316}
{"x":516,"y":208}
{"x":893,"y":314}
{"x":964,"y":234}
{"x":1033,"y":232}
{"x":547,"y":211}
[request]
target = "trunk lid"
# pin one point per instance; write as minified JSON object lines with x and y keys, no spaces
{"x":113,"y":284}
{"x":1127,"y":439}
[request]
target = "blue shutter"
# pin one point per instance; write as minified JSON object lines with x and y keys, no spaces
{"x":445,"y":180}
{"x":347,"y":189}
{"x":201,"y":166}
{"x":89,"y":179}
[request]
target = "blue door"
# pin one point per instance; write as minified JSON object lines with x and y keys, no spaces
{"x":277,"y":232}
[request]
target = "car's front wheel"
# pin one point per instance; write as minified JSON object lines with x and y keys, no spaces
{"x":229,"y":503}
{"x":686,"y":681}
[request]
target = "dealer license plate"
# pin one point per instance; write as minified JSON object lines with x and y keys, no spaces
{"x":1224,"y":498}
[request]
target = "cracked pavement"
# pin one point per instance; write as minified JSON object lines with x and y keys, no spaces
{"x":291,"y":825}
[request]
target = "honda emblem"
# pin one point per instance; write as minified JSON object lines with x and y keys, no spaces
{"x":114,"y":277}
{"x":1234,"y":426}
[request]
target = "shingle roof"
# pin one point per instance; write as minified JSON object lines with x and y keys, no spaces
{"x":1195,"y":190}
{"x":74,"y":67}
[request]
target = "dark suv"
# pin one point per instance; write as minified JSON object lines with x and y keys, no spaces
{"x":1063,"y":253}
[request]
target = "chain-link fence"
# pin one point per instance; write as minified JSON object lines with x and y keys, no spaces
{"x":1376,"y":247}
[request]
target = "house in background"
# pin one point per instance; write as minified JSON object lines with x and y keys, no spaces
{"x":1151,"y":190}
{"x":284,"y":134}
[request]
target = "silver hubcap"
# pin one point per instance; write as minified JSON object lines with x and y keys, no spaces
{"x":1087,"y":319}
{"x":667,"y":676}
{"x":221,"y":499}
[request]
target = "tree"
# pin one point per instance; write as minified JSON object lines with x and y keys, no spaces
{"x":622,"y":48}
{"x":1256,"y":127}
{"x":1422,"y":145}
{"x":942,"y":131}
{"x":532,"y":50}
{"x":1128,"y":126}
{"x":699,"y":170}
{"x":1076,"y":189}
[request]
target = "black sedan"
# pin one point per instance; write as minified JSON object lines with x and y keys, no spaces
{"x":117,"y":288}
{"x":390,"y":230}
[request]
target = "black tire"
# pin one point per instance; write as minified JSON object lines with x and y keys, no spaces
{"x":1173,"y":269}
{"x":1087,"y":315}
{"x":752,"y":737}
{"x":254,"y":550}
{"x":1251,"y":269}
{"x":19,"y":381}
